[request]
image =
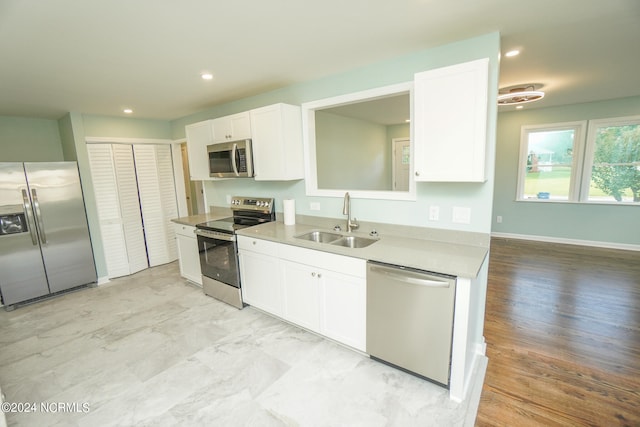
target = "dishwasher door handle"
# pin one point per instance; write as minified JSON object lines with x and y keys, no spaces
{"x":410,"y":279}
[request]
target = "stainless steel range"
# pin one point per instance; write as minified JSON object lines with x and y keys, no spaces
{"x":219,"y":251}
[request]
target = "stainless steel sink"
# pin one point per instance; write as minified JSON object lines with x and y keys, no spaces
{"x":319,"y":236}
{"x":354,"y":242}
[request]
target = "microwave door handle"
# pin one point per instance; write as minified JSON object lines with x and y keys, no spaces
{"x":234,"y":153}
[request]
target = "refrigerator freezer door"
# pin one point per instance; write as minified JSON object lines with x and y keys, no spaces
{"x":62,"y":224}
{"x":23,"y":276}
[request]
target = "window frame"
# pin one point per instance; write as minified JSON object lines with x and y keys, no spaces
{"x":590,"y":146}
{"x":580,"y":128}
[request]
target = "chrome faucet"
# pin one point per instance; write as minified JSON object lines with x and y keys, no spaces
{"x":346,"y":210}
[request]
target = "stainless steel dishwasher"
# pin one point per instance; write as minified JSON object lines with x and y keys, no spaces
{"x":410,"y":319}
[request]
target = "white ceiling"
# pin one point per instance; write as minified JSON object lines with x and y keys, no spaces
{"x":99,"y":56}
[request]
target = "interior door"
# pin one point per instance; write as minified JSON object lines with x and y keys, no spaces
{"x":401,"y":163}
{"x":156,"y":188}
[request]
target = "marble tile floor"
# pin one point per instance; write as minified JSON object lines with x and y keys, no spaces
{"x":152,"y":350}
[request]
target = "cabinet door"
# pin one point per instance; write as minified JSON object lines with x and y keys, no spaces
{"x":261,"y":281}
{"x":300,"y":288}
{"x":232,"y":128}
{"x":188,"y":255}
{"x":240,"y":125}
{"x":199,"y":135}
{"x":343,"y":308}
{"x":450,"y":116}
{"x":277,"y":143}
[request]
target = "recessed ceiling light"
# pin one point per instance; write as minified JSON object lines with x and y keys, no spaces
{"x":519,"y":107}
{"x":127,"y":111}
{"x":512,"y":53}
{"x":206,"y":76}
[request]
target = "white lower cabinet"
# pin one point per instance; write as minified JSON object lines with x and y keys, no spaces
{"x":260,"y":274}
{"x":320,"y":291}
{"x":343,"y":308}
{"x":188,"y":254}
{"x":301,"y":297}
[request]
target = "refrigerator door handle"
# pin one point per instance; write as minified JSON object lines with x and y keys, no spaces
{"x":29,"y":214}
{"x":36,"y":205}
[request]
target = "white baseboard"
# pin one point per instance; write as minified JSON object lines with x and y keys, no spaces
{"x":102,"y":280}
{"x":578,"y":242}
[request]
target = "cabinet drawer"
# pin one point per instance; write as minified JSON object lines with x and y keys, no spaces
{"x":185,"y":230}
{"x":325,"y":260}
{"x":260,"y":246}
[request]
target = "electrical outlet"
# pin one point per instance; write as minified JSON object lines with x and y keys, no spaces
{"x":314,"y":206}
{"x":499,"y":219}
{"x":461,"y":215}
{"x":434,"y":213}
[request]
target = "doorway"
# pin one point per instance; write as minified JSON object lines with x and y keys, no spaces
{"x":193,"y":189}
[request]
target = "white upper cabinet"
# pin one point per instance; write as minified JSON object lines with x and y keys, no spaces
{"x":277,"y":142}
{"x":232,"y":128}
{"x":199,"y":135}
{"x":450,"y":122}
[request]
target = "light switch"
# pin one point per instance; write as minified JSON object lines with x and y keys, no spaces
{"x":314,"y":206}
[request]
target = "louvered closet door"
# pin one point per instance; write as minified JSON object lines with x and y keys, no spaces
{"x":108,"y":204}
{"x":156,"y":188}
{"x":130,"y":207}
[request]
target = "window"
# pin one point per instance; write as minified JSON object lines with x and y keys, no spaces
{"x":612,"y":166}
{"x":549,"y":161}
{"x":562,"y":162}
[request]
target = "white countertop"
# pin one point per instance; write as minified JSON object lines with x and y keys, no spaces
{"x":193,"y":220}
{"x":454,"y":253}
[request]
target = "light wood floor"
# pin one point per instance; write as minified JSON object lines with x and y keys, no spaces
{"x":562,"y":328}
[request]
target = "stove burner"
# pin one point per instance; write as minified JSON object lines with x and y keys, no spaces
{"x":247,"y":211}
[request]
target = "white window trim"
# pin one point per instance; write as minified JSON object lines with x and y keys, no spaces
{"x":576,"y":166}
{"x":590,"y":151}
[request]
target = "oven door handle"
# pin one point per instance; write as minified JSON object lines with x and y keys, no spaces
{"x":217,"y":236}
{"x":234,"y":153}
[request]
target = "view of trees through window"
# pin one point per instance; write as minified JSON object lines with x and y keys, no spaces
{"x":562,"y":165}
{"x":616,"y":164}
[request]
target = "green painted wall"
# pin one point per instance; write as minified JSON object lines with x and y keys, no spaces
{"x":125,"y":127}
{"x":590,"y":222}
{"x":349,"y":146}
{"x":477,"y":196}
{"x":25,"y":139}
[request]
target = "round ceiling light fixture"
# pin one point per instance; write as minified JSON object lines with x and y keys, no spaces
{"x":520,"y":94}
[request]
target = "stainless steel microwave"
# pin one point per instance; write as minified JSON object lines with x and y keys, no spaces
{"x":231,"y":159}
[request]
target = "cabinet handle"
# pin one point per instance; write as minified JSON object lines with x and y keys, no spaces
{"x":417,"y":173}
{"x":313,"y":274}
{"x":254,"y":242}
{"x":319,"y":275}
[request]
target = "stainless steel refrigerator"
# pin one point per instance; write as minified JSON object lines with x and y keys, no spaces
{"x":45,"y":246}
